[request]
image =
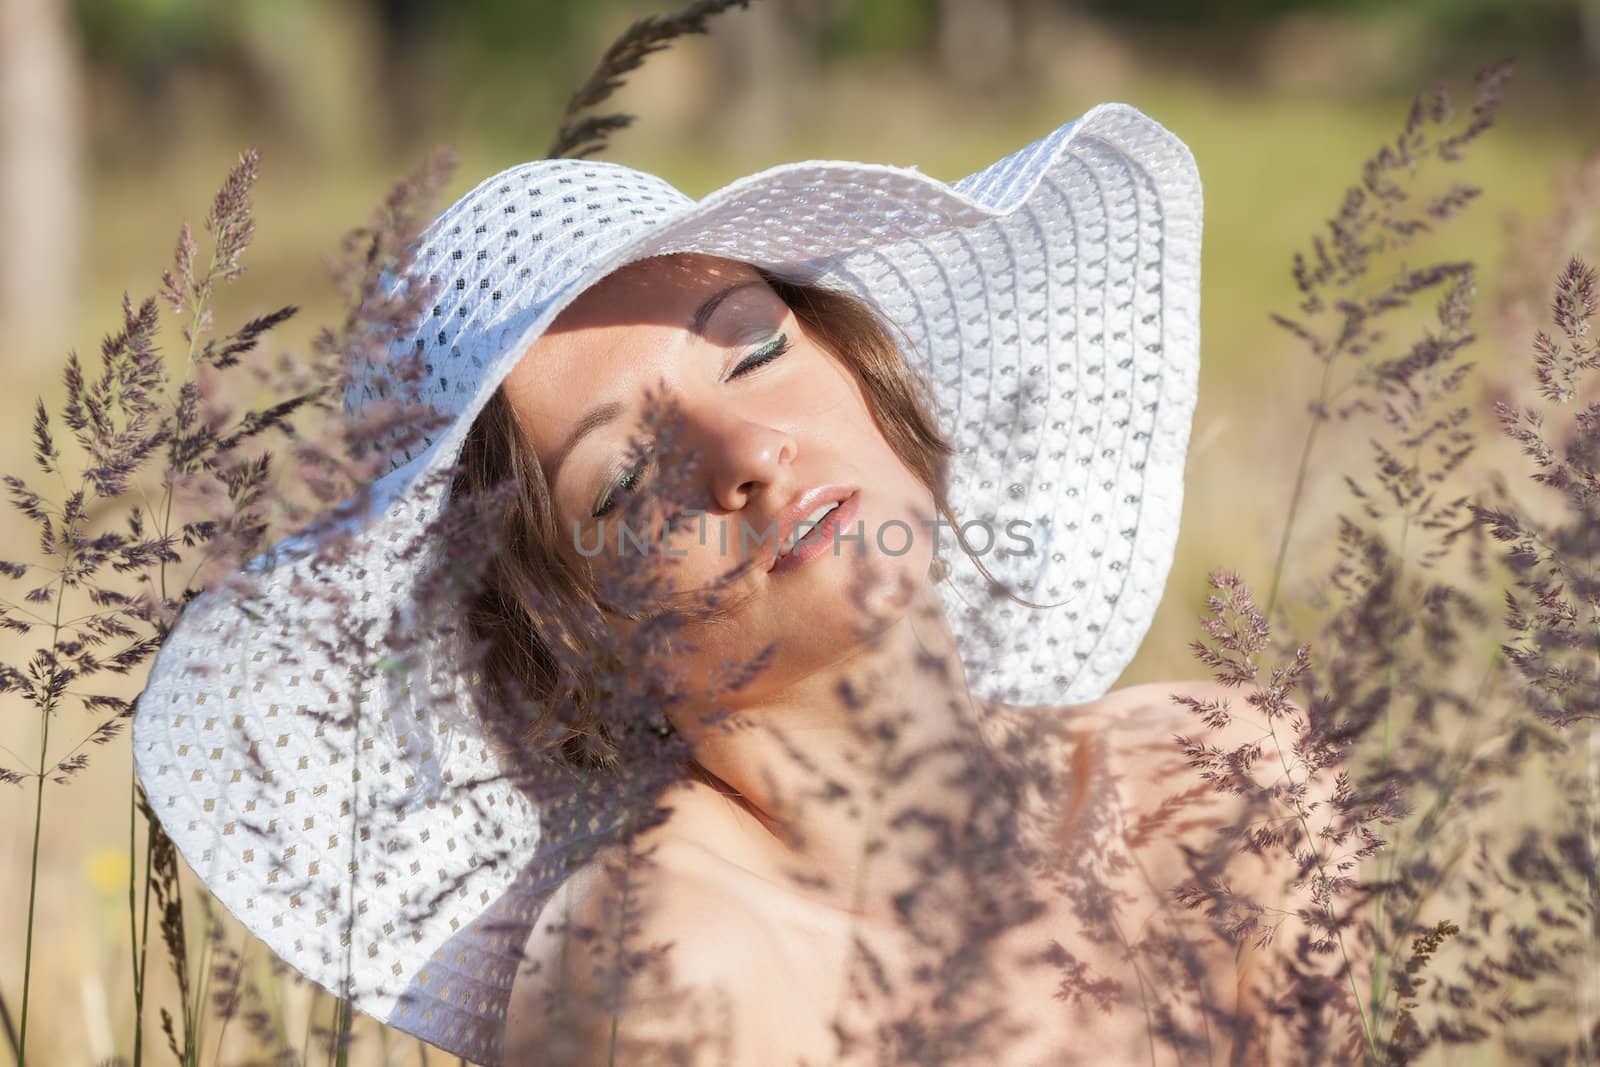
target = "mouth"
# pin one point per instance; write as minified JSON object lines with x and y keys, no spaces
{"x":810,"y":525}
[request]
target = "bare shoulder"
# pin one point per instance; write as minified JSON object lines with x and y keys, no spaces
{"x":1134,"y":713}
{"x":1164,"y":715}
{"x":1136,"y":732}
{"x":1200,"y":738}
{"x":637,"y":957}
{"x":1158,"y":705}
{"x":1127,"y":747}
{"x":1266,"y":811}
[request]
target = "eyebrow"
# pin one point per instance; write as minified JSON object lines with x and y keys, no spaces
{"x":605,"y":414}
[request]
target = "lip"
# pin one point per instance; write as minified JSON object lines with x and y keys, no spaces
{"x":803,"y":505}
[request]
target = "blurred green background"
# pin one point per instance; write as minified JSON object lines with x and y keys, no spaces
{"x":118,"y":118}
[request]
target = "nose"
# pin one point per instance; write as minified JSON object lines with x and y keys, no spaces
{"x":740,"y":456}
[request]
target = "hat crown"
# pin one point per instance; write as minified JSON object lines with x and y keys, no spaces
{"x":492,"y":263}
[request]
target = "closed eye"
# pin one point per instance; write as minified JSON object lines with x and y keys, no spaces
{"x":631,"y":481}
{"x":762,"y":356}
{"x":628,"y":483}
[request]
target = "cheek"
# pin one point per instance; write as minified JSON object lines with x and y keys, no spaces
{"x":845,"y":388}
{"x":867,"y":439}
{"x":835,"y":399}
{"x":660,"y":569}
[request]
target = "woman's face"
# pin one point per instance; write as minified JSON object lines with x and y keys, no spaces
{"x":770,"y":427}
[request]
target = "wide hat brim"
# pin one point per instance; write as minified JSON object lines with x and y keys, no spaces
{"x":367,"y":834}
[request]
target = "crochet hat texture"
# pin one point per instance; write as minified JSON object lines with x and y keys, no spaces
{"x":1051,"y":301}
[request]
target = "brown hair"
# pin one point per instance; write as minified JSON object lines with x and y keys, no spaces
{"x":538,"y":613}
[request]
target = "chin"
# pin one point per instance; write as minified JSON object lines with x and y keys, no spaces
{"x":882,"y":588}
{"x":889,"y":584}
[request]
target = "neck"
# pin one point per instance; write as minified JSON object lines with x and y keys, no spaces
{"x":811,"y":777}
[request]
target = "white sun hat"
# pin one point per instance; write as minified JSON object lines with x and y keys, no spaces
{"x":1051,"y":301}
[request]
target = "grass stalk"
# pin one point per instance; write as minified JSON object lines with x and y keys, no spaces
{"x":201,"y":984}
{"x":1388,"y":858}
{"x":343,"y":1020}
{"x":10,"y":1029}
{"x":144,"y":941}
{"x":1591,"y":954}
{"x":1319,"y":414}
{"x":137,"y":939}
{"x":1322,"y":871}
{"x":1590,"y":1012}
{"x":1440,"y":804}
{"x":33,"y":893}
{"x":46,"y":710}
{"x":342,"y":1023}
{"x":227,"y":1017}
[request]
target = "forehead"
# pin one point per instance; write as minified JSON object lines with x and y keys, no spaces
{"x":664,"y":290}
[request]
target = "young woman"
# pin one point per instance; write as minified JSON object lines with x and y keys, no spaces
{"x":773,"y":726}
{"x":770,"y":888}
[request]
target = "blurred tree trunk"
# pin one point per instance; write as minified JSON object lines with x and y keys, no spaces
{"x":1589,"y":15}
{"x":978,"y":40}
{"x":309,"y":70}
{"x":40,"y":163}
{"x":769,"y":55}
{"x":404,"y":45}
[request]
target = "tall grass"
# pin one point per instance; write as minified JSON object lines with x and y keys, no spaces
{"x":164,"y":486}
{"x":1401,"y":695}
